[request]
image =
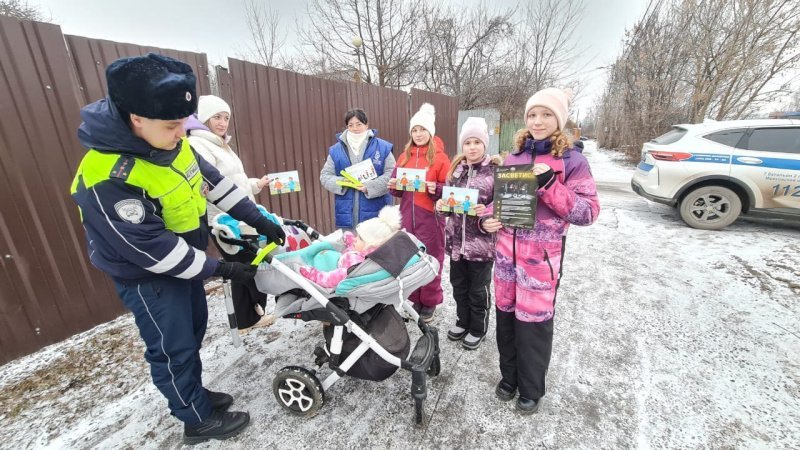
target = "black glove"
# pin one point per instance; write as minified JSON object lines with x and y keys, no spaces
{"x":544,"y":179}
{"x":267,"y":228}
{"x":235,"y":271}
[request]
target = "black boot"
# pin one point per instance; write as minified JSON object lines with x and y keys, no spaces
{"x":219,"y":401}
{"x":219,"y":425}
{"x":526,"y":406}
{"x":504,"y":391}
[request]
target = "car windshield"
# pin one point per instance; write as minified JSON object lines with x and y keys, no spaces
{"x":673,"y":135}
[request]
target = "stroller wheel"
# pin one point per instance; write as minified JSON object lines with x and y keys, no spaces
{"x":298,"y":391}
{"x":436,"y":367}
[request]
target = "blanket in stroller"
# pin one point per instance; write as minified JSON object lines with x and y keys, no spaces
{"x":225,"y":226}
{"x":388,"y":275}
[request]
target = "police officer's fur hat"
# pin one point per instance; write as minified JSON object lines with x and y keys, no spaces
{"x":152,"y":86}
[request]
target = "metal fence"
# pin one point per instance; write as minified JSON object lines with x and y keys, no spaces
{"x":492,"y":117}
{"x":281,"y":120}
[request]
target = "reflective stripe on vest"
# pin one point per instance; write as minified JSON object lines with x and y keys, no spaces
{"x":177,"y":187}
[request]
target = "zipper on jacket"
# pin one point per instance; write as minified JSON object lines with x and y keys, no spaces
{"x":547,"y":259}
{"x":183,"y":175}
{"x":413,"y":194}
{"x":464,"y":218}
{"x":514,"y":248}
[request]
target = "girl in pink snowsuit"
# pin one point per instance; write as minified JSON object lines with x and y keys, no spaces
{"x":528,"y":262}
{"x":370,"y":234}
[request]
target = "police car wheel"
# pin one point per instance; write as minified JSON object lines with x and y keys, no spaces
{"x":710,"y":207}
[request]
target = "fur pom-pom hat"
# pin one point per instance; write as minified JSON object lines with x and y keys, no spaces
{"x":425,"y":117}
{"x":554,"y":99}
{"x":208,"y":105}
{"x":152,"y":86}
{"x":475,"y":127}
{"x":378,"y":230}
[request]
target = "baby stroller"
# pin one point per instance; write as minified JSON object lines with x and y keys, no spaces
{"x":365,"y":336}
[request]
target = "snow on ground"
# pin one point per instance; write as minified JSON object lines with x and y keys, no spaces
{"x":665,"y":336}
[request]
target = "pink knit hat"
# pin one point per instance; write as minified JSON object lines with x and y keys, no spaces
{"x":475,"y":127}
{"x":553,"y":99}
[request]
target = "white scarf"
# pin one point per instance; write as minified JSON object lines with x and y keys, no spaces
{"x":356,"y":141}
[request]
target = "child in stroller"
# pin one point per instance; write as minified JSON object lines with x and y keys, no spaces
{"x":370,"y":234}
{"x":365,"y":336}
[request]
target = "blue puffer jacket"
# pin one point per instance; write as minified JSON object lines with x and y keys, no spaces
{"x":377,"y":150}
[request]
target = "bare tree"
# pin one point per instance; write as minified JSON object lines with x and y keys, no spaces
{"x":644,"y":94}
{"x":389,"y":30}
{"x":267,"y":40}
{"x":466,"y":53}
{"x":687,"y":60}
{"x":544,"y":53}
{"x":740,"y":47}
{"x":794,"y":104}
{"x":19,"y":9}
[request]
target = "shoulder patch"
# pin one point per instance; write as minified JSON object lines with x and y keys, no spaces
{"x":122,"y":168}
{"x":131,"y":210}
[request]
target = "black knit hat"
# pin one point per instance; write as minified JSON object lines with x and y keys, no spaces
{"x":152,"y":86}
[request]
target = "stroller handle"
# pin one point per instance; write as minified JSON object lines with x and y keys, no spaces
{"x":312,"y":233}
{"x":250,"y":242}
{"x":246,"y":243}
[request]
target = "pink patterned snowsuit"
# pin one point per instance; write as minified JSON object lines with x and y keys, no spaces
{"x":528,"y":262}
{"x":528,"y":267}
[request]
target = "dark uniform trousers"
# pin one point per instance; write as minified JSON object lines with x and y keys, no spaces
{"x":172,"y":315}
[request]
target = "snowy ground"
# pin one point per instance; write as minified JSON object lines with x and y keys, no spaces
{"x":665,"y":336}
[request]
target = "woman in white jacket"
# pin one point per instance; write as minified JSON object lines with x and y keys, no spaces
{"x":208,"y":136}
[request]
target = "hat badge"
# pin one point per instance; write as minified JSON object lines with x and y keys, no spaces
{"x":188,"y":96}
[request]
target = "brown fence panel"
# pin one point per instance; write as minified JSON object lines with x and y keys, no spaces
{"x":387,"y":111}
{"x":48,"y":290}
{"x":446,"y":116}
{"x":91,"y":56}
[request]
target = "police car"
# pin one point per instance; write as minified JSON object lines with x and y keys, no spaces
{"x":715,"y":171}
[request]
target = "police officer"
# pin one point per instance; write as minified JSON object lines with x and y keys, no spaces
{"x":141,"y":190}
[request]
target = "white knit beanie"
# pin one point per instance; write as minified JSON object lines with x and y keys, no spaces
{"x":554,"y":99}
{"x":208,"y":105}
{"x":378,"y":230}
{"x":475,"y":127}
{"x":426,"y":118}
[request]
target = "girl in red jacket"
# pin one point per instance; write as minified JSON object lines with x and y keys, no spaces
{"x":424,"y":151}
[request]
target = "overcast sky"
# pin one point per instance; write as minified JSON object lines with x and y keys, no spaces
{"x":218,"y":27}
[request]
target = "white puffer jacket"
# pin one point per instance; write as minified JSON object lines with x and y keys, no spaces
{"x":217,"y":152}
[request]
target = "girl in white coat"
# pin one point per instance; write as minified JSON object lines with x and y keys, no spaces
{"x":208,"y":136}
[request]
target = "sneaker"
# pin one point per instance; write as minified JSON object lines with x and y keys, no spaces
{"x":504,"y":391}
{"x":264,"y":321}
{"x":456,"y":333}
{"x":426,"y":313}
{"x":219,"y":425}
{"x":526,"y":406}
{"x":472,"y":342}
{"x":219,"y":400}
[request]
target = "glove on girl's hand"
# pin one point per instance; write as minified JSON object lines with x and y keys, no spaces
{"x":235,"y":271}
{"x":544,"y":175}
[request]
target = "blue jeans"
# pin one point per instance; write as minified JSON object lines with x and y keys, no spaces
{"x":172,"y":315}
